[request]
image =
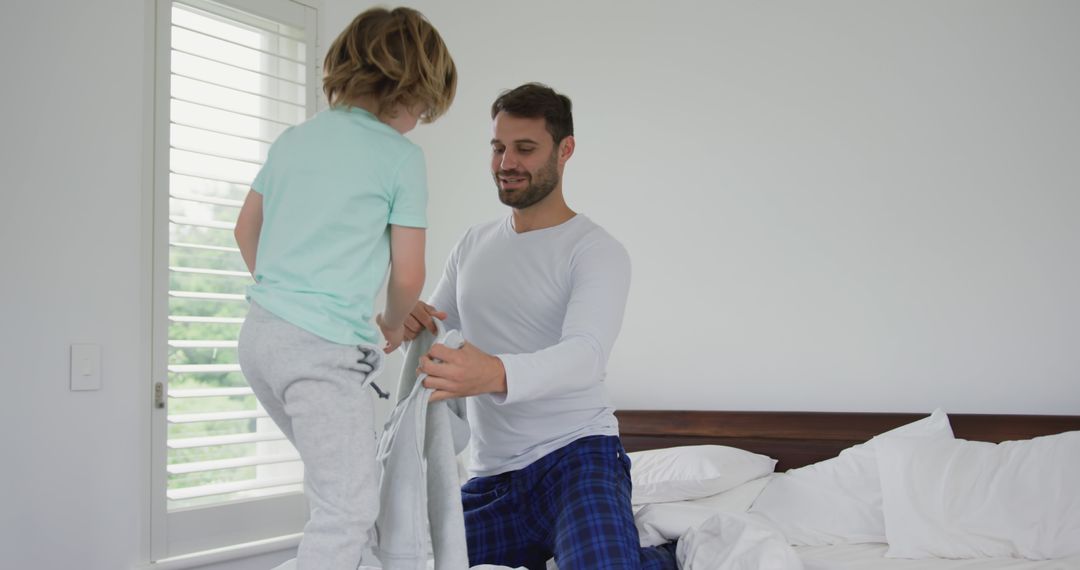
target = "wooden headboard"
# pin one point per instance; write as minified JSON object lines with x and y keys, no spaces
{"x":796,"y":439}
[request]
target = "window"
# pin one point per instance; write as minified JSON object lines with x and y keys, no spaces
{"x":231,"y":76}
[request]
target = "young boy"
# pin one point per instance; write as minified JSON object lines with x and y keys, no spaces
{"x":339,"y":198}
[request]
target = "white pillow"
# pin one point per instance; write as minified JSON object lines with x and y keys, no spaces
{"x":658,"y":523}
{"x":692,"y":471}
{"x":838,"y":501}
{"x":972,"y":499}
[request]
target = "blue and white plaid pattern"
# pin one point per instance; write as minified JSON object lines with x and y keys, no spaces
{"x":573,"y":504}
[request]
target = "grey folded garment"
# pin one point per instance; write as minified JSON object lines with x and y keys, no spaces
{"x":419,"y":488}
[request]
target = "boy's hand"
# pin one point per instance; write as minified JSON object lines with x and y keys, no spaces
{"x":420,"y":319}
{"x":393,"y":336}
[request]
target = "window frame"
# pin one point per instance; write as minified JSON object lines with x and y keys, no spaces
{"x":252,"y":524}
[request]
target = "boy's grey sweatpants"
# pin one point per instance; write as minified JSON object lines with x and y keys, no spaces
{"x":317,"y":392}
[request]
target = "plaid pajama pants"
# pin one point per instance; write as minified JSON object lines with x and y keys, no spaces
{"x":573,"y":504}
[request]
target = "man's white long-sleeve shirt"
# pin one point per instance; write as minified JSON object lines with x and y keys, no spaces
{"x":548,"y":303}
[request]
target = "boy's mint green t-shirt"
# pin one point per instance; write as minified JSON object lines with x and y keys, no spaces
{"x":331,"y":187}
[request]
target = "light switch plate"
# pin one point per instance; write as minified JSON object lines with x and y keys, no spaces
{"x":85,"y":367}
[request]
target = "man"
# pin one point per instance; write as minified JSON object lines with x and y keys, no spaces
{"x":540,"y":295}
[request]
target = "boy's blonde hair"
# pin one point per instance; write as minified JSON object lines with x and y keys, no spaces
{"x":395,"y":56}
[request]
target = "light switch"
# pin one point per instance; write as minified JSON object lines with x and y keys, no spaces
{"x":85,"y":367}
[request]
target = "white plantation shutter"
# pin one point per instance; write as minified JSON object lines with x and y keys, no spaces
{"x":232,"y":75}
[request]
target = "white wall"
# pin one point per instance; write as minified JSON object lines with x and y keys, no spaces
{"x":74,"y":463}
{"x":847,"y":206}
{"x":829,"y":205}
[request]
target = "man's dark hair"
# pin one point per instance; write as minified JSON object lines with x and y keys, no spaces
{"x":534,"y":101}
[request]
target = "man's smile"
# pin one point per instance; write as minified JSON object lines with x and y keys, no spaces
{"x":508,"y":182}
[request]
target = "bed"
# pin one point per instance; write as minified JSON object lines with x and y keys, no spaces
{"x":799,"y":439}
{"x":796,"y":439}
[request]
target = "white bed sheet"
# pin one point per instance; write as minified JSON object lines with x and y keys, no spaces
{"x":872,"y":557}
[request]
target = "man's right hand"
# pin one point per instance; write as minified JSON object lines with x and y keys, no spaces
{"x":420,"y":319}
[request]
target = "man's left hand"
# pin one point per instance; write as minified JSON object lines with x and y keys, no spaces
{"x":466,"y":371}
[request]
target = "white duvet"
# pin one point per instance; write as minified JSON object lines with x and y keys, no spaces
{"x":735,"y":541}
{"x":431,"y":565}
{"x":725,"y":541}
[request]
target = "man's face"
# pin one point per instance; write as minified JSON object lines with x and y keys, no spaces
{"x":524,"y":160}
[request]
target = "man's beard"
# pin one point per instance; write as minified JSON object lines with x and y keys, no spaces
{"x":547,"y":178}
